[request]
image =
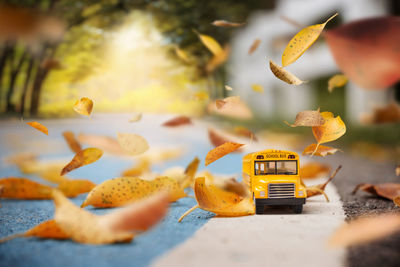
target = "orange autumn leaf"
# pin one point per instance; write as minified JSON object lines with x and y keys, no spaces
{"x":177,"y":121}
{"x":73,"y":188}
{"x":39,"y":126}
{"x":190,"y":173}
{"x":223,"y":203}
{"x":219,"y":103}
{"x":308,"y":118}
{"x":132,"y":144}
{"x":321,"y":150}
{"x":254,"y":46}
{"x":82,"y":158}
{"x":84,"y":106}
{"x":221,"y":151}
{"x":216,"y":139}
{"x":71,"y":141}
{"x":224,"y":23}
{"x":22,"y":188}
{"x":121,"y":191}
{"x":320,"y":189}
{"x":396,"y":201}
{"x":313,"y":170}
{"x":385,"y":190}
{"x":364,"y":230}
{"x":397,"y":170}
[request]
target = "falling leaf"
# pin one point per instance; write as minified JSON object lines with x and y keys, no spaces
{"x":313,"y":170}
{"x":136,"y":117}
{"x":321,"y":150}
{"x":364,"y":230}
{"x":106,"y":143}
{"x":223,"y":203}
{"x":73,"y":188}
{"x":398,"y":170}
{"x":332,"y":129}
{"x":385,"y":190}
{"x":39,"y":127}
{"x":124,"y":190}
{"x":320,"y":189}
{"x":72,"y":142}
{"x":387,"y":114}
{"x":217,"y":139}
{"x":257,"y":88}
{"x":302,"y":41}
{"x":234,"y":107}
{"x":224,"y":23}
{"x":143,"y":166}
{"x":218,"y":60}
{"x":133,"y":144}
{"x":228,"y":88}
{"x":82,"y":158}
{"x":308,"y":118}
{"x":182,"y":54}
{"x":84,"y":106}
{"x":243,"y":131}
{"x":283,"y":74}
{"x":338,"y":80}
{"x":256,"y":43}
{"x":190,"y":173}
{"x":84,"y":227}
{"x":396,"y":201}
{"x":221,"y":151}
{"x":219,"y":103}
{"x":177,"y":121}
{"x":52,"y":176}
{"x":22,"y":188}
{"x":211,"y":44}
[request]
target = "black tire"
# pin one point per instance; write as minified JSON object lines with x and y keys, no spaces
{"x":259,"y":208}
{"x":297,"y":208}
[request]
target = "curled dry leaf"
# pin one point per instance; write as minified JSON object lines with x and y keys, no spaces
{"x":385,"y":190}
{"x":84,"y":106}
{"x":136,"y":117}
{"x":283,"y":74}
{"x":256,"y":43}
{"x":190,"y":173}
{"x":106,"y":143}
{"x":338,"y":80}
{"x":302,"y":41}
{"x":177,"y":121}
{"x":223,"y":203}
{"x":321,"y":150}
{"x":221,"y":151}
{"x":82,"y":158}
{"x":121,"y":191}
{"x":72,"y":142}
{"x":228,"y":88}
{"x":257,"y":88}
{"x":224,"y":23}
{"x":132,"y":144}
{"x":39,"y":126}
{"x":212,"y":45}
{"x":320,"y":189}
{"x":313,"y":170}
{"x":396,"y":201}
{"x":73,"y":188}
{"x":364,"y":230}
{"x":22,"y":188}
{"x":308,"y":118}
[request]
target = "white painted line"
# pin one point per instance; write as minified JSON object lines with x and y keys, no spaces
{"x":279,"y":238}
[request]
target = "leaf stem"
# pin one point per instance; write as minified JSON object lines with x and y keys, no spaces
{"x":187,"y":212}
{"x":8,"y":238}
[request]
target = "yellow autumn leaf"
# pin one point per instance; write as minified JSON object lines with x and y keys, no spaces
{"x":201,"y":96}
{"x":132,"y":144}
{"x":82,"y":158}
{"x":190,"y":173}
{"x":218,"y":59}
{"x":221,"y":151}
{"x":22,"y":188}
{"x":308,"y":118}
{"x":283,"y":74}
{"x":302,"y":41}
{"x":75,"y":187}
{"x":182,"y":54}
{"x":224,"y":23}
{"x":257,"y":88}
{"x":39,"y":126}
{"x":211,"y":44}
{"x":71,"y":141}
{"x":214,"y":199}
{"x":321,"y":150}
{"x":84,"y":106}
{"x":338,"y":80}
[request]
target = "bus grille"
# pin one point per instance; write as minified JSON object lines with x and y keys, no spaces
{"x":281,"y":190}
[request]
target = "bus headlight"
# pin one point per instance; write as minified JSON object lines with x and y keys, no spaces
{"x":301,"y":193}
{"x":262,"y":193}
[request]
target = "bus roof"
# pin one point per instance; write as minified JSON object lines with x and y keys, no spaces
{"x":272,"y":154}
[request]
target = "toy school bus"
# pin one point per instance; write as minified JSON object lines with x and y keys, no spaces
{"x":273,"y":178}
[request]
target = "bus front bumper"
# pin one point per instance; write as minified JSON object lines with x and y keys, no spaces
{"x":280,"y":201}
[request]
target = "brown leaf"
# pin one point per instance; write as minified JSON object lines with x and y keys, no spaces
{"x":221,"y":151}
{"x":283,"y":74}
{"x":72,"y":142}
{"x":388,"y":114}
{"x":177,"y":121}
{"x":396,"y":201}
{"x":321,"y":150}
{"x":39,"y":127}
{"x":224,"y":23}
{"x":219,"y":103}
{"x":320,"y":189}
{"x":82,"y":158}
{"x":22,"y":188}
{"x":256,"y":43}
{"x":385,"y":190}
{"x":308,"y":118}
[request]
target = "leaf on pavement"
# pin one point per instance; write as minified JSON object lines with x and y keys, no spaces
{"x":83,"y":106}
{"x":221,"y":151}
{"x":308,"y":118}
{"x":71,"y":141}
{"x":75,"y":187}
{"x":133,"y":144}
{"x":385,"y":190}
{"x":338,"y":80}
{"x":257,"y":88}
{"x":364,"y":230}
{"x":283,"y":74}
{"x":314,"y":169}
{"x":302,"y":41}
{"x":224,"y":23}
{"x":256,"y":43}
{"x":22,"y":188}
{"x":320,"y":189}
{"x":39,"y":126}
{"x":82,"y":158}
{"x":177,"y":121}
{"x":321,"y":150}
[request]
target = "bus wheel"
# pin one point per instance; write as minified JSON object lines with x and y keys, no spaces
{"x":259,"y":209}
{"x":297,"y":208}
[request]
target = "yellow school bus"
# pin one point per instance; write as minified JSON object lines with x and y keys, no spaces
{"x":273,"y":178}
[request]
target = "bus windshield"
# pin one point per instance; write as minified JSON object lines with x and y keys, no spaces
{"x":275,"y":167}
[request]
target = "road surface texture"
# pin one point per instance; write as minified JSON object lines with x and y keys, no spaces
{"x":278,"y":237}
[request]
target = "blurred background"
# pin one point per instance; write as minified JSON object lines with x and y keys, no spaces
{"x":146,"y":56}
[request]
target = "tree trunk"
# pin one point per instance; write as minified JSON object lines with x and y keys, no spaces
{"x":36,"y":90}
{"x":26,"y":85}
{"x":7,"y":51}
{"x":13,"y":77}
